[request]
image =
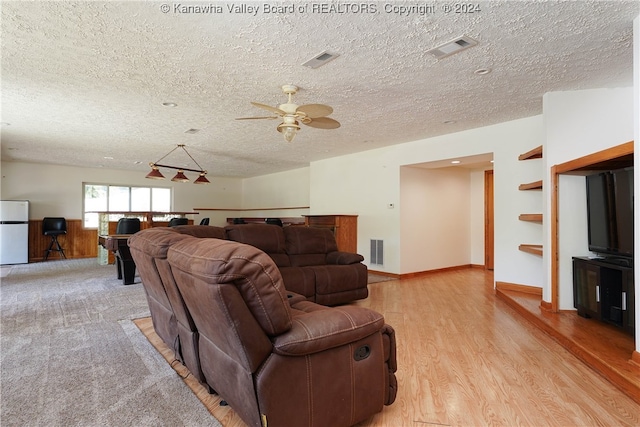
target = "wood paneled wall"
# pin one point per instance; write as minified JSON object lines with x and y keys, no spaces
{"x":77,"y":243}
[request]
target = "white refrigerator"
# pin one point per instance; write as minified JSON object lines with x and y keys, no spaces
{"x":14,"y":231}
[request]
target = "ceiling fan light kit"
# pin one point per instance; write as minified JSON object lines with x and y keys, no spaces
{"x":180,"y":176}
{"x":312,"y":115}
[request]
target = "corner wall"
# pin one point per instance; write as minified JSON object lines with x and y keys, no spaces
{"x":366,"y":183}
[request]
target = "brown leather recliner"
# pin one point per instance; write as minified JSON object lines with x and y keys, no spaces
{"x":309,"y":261}
{"x":274,"y":363}
{"x":170,"y":317}
{"x":339,"y":276}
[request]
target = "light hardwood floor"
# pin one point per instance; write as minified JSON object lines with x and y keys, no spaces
{"x":466,"y":358}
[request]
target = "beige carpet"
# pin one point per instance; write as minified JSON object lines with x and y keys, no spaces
{"x":72,"y":356}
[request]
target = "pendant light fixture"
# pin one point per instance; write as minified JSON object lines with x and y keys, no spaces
{"x":180,"y":176}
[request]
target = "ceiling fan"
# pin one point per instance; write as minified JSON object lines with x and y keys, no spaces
{"x":313,"y":115}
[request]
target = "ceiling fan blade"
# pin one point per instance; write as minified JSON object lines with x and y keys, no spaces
{"x":257,"y":118}
{"x":323,"y":123}
{"x":269,"y":108}
{"x":315,"y":110}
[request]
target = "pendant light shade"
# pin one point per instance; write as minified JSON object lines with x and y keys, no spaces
{"x":180,"y":176}
{"x":202,"y":179}
{"x":155,"y":173}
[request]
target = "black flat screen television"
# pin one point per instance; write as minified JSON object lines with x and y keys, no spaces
{"x":610,"y":212}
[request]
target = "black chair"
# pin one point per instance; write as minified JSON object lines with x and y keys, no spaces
{"x":273,"y":221}
{"x":53,"y":227}
{"x":205,"y":221}
{"x":128,"y":226}
{"x":124,"y":263}
{"x":239,"y":221}
{"x":178,"y":221}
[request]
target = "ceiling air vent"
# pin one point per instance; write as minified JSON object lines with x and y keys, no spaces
{"x":454,"y":46}
{"x":320,"y":59}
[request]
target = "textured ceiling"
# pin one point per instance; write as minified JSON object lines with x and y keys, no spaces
{"x":83,"y":83}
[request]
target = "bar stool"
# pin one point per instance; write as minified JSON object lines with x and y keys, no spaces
{"x":124,"y":263}
{"x":53,"y":227}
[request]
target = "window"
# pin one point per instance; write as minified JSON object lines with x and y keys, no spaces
{"x":104,"y":197}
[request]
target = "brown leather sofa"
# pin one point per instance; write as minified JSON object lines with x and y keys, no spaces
{"x":171,"y":319}
{"x":308,"y":260}
{"x":277,"y":360}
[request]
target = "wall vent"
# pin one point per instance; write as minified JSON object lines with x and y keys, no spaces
{"x":377,"y":252}
{"x":454,"y":46}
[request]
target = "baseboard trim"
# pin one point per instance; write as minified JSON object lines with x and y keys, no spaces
{"x":506,"y":286}
{"x":434,"y":271}
{"x":384,"y":273}
{"x":546,"y":306}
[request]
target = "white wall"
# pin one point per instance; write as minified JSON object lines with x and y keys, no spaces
{"x":365,"y":183}
{"x":578,"y":123}
{"x":279,"y":190}
{"x":435,"y":219}
{"x":57,"y":190}
{"x":572,"y":226}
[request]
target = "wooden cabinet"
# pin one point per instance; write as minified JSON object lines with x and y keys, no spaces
{"x":535,"y":249}
{"x":344,"y":227}
{"x":604,"y":290}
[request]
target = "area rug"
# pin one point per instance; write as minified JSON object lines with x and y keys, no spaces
{"x":212,"y":402}
{"x":72,"y":356}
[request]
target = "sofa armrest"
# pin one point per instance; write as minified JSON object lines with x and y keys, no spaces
{"x":294,"y":298}
{"x":343,"y":258}
{"x":320,"y":330}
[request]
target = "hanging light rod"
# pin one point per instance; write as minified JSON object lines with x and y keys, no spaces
{"x":180,"y":176}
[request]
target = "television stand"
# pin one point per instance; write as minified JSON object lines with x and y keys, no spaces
{"x":624,"y":262}
{"x":604,"y":290}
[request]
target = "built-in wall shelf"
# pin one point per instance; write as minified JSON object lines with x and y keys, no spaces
{"x":530,"y":217}
{"x":536,"y":153}
{"x":532,"y":249}
{"x":536,"y":185}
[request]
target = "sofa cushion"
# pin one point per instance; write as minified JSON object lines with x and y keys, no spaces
{"x":309,"y":240}
{"x":266,"y":237}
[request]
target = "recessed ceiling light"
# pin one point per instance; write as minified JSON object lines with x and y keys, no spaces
{"x":449,"y":122}
{"x":137,"y":162}
{"x":108,"y":158}
{"x":5,"y":124}
{"x":169,"y":104}
{"x":192,"y":131}
{"x":482,"y":71}
{"x":455,"y":162}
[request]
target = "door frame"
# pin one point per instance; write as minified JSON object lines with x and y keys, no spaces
{"x":488,"y":220}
